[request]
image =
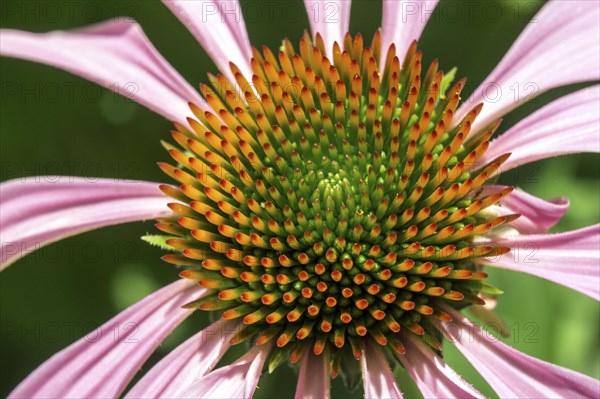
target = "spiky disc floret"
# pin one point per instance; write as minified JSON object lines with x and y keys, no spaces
{"x":328,"y":201}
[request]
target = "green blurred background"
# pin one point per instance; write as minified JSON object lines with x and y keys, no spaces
{"x":52,"y":122}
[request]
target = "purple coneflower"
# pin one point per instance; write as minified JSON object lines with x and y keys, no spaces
{"x":332,"y":205}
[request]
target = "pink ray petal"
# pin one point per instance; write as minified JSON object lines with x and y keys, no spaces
{"x":117,"y":55}
{"x":329,"y":18}
{"x":39,"y":210}
{"x":571,"y":259}
{"x":220,"y":29}
{"x":568,"y":125}
{"x":236,"y":380}
{"x":378,"y":379}
{"x":231,"y":11}
{"x":537,"y":215}
{"x":432,"y":375}
{"x":552,"y":51}
{"x":102,"y":363}
{"x":403,"y":22}
{"x":191,"y":360}
{"x":513,"y":374}
{"x":313,"y":380}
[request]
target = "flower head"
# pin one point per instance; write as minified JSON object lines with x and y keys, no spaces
{"x":333,"y":201}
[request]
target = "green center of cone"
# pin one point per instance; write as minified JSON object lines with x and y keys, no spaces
{"x":330,"y":200}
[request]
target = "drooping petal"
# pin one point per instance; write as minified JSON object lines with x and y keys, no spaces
{"x":189,"y":361}
{"x":117,"y":55}
{"x":432,"y":375}
{"x":329,"y":18}
{"x":220,"y":29}
{"x":537,"y":215}
{"x":403,"y":22}
{"x":39,"y":210}
{"x":513,"y":374}
{"x":313,"y":380}
{"x":101,"y":364}
{"x":236,"y":380}
{"x":568,"y":125}
{"x":378,"y":379}
{"x":552,"y":51}
{"x":571,"y":259}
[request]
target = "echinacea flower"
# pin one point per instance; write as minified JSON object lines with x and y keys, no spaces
{"x":333,"y":205}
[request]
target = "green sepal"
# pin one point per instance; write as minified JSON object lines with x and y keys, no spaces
{"x":159,"y":240}
{"x":433,"y":333}
{"x":447,"y":81}
{"x":335,"y":360}
{"x":391,"y":358}
{"x":278,"y":356}
{"x":168,"y":146}
{"x":350,"y":370}
{"x":490,"y":289}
